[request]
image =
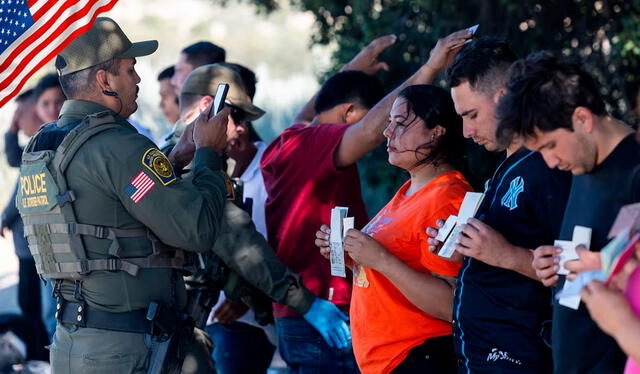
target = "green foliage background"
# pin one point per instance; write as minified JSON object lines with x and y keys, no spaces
{"x":604,"y":34}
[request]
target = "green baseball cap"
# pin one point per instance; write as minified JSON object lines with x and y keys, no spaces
{"x":104,"y":41}
{"x":204,"y":80}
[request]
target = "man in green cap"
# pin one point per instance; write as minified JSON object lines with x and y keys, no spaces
{"x":105,"y":214}
{"x":240,"y":245}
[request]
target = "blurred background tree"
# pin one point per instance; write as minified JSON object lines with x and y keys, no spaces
{"x":604,"y":34}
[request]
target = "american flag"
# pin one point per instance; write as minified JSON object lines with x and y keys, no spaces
{"x":33,"y":32}
{"x":139,"y":187}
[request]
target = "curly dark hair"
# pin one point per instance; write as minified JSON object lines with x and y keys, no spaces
{"x":543,"y":90}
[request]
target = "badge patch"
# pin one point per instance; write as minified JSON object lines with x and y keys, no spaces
{"x":139,"y":186}
{"x":159,"y":165}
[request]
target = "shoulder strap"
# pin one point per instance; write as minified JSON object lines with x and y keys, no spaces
{"x":90,"y":126}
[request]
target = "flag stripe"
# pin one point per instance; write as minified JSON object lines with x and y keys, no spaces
{"x":39,"y":10}
{"x":78,"y":27}
{"x":143,"y":190}
{"x":137,"y":178}
{"x":33,"y":2}
{"x":41,"y":33}
{"x":43,"y":26}
{"x":143,"y":184}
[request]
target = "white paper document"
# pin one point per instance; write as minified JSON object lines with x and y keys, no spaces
{"x":468,"y":209}
{"x":568,"y":254}
{"x":581,"y":235}
{"x":338,"y":219}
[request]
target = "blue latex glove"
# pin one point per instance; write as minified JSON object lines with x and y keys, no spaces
{"x":330,"y":322}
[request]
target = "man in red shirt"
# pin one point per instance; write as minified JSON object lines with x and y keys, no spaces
{"x":311,"y":168}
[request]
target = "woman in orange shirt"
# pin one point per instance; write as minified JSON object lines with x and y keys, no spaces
{"x":401,"y":302}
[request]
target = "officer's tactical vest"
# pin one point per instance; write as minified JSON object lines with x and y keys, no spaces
{"x":46,"y":205}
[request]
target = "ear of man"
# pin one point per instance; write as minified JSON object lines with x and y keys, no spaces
{"x":582,"y":119}
{"x":204,"y":103}
{"x":103,"y":83}
{"x":352,"y":113}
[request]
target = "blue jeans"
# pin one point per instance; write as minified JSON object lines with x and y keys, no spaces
{"x":240,"y":348}
{"x":305,"y":351}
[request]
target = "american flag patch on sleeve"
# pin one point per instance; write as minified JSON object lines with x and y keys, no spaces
{"x":139,"y":186}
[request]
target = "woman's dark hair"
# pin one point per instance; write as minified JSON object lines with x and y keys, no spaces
{"x":434,"y":106}
{"x":48,"y":81}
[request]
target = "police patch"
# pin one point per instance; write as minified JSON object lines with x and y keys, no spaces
{"x":159,"y":165}
{"x":38,"y":190}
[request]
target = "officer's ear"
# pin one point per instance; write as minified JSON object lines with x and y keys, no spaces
{"x":204,"y":103}
{"x":102,"y":81}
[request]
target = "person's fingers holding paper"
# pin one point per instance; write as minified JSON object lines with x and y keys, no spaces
{"x":322,"y":241}
{"x":546,"y":264}
{"x":588,"y":261}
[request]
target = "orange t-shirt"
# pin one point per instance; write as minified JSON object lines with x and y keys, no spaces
{"x":385,"y":325}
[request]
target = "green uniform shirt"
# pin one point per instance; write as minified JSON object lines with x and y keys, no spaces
{"x":244,"y":250}
{"x":181,"y":213}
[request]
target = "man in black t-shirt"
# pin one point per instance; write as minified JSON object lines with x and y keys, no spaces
{"x":500,"y":308}
{"x":555,"y":106}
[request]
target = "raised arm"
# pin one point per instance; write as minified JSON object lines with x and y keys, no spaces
{"x":364,"y":136}
{"x":365,"y":61}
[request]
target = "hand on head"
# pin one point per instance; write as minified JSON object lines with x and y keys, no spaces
{"x":446,"y":49}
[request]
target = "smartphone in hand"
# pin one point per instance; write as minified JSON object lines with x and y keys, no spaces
{"x":218,"y":100}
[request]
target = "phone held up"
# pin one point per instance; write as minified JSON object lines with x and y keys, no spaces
{"x":218,"y":100}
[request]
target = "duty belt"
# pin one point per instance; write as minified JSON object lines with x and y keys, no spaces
{"x":82,"y":315}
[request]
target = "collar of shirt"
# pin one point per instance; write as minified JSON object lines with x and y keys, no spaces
{"x":76,"y":110}
{"x":254,"y":166}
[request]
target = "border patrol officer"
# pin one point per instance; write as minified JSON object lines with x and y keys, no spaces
{"x":239,"y":245}
{"x":105,"y":214}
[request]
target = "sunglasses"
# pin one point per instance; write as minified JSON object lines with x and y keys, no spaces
{"x":238,"y":115}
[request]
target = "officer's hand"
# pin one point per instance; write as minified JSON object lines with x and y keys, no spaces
{"x":182,"y":154}
{"x":546,"y":263}
{"x":211,"y":133}
{"x":330,"y":322}
{"x":230,"y":311}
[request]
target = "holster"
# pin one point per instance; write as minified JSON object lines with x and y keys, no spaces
{"x":170,"y":333}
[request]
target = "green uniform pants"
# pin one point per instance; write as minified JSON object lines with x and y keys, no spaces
{"x":96,"y":351}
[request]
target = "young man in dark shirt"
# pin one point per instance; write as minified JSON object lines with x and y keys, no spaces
{"x":501,"y":311}
{"x":556,"y":108}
